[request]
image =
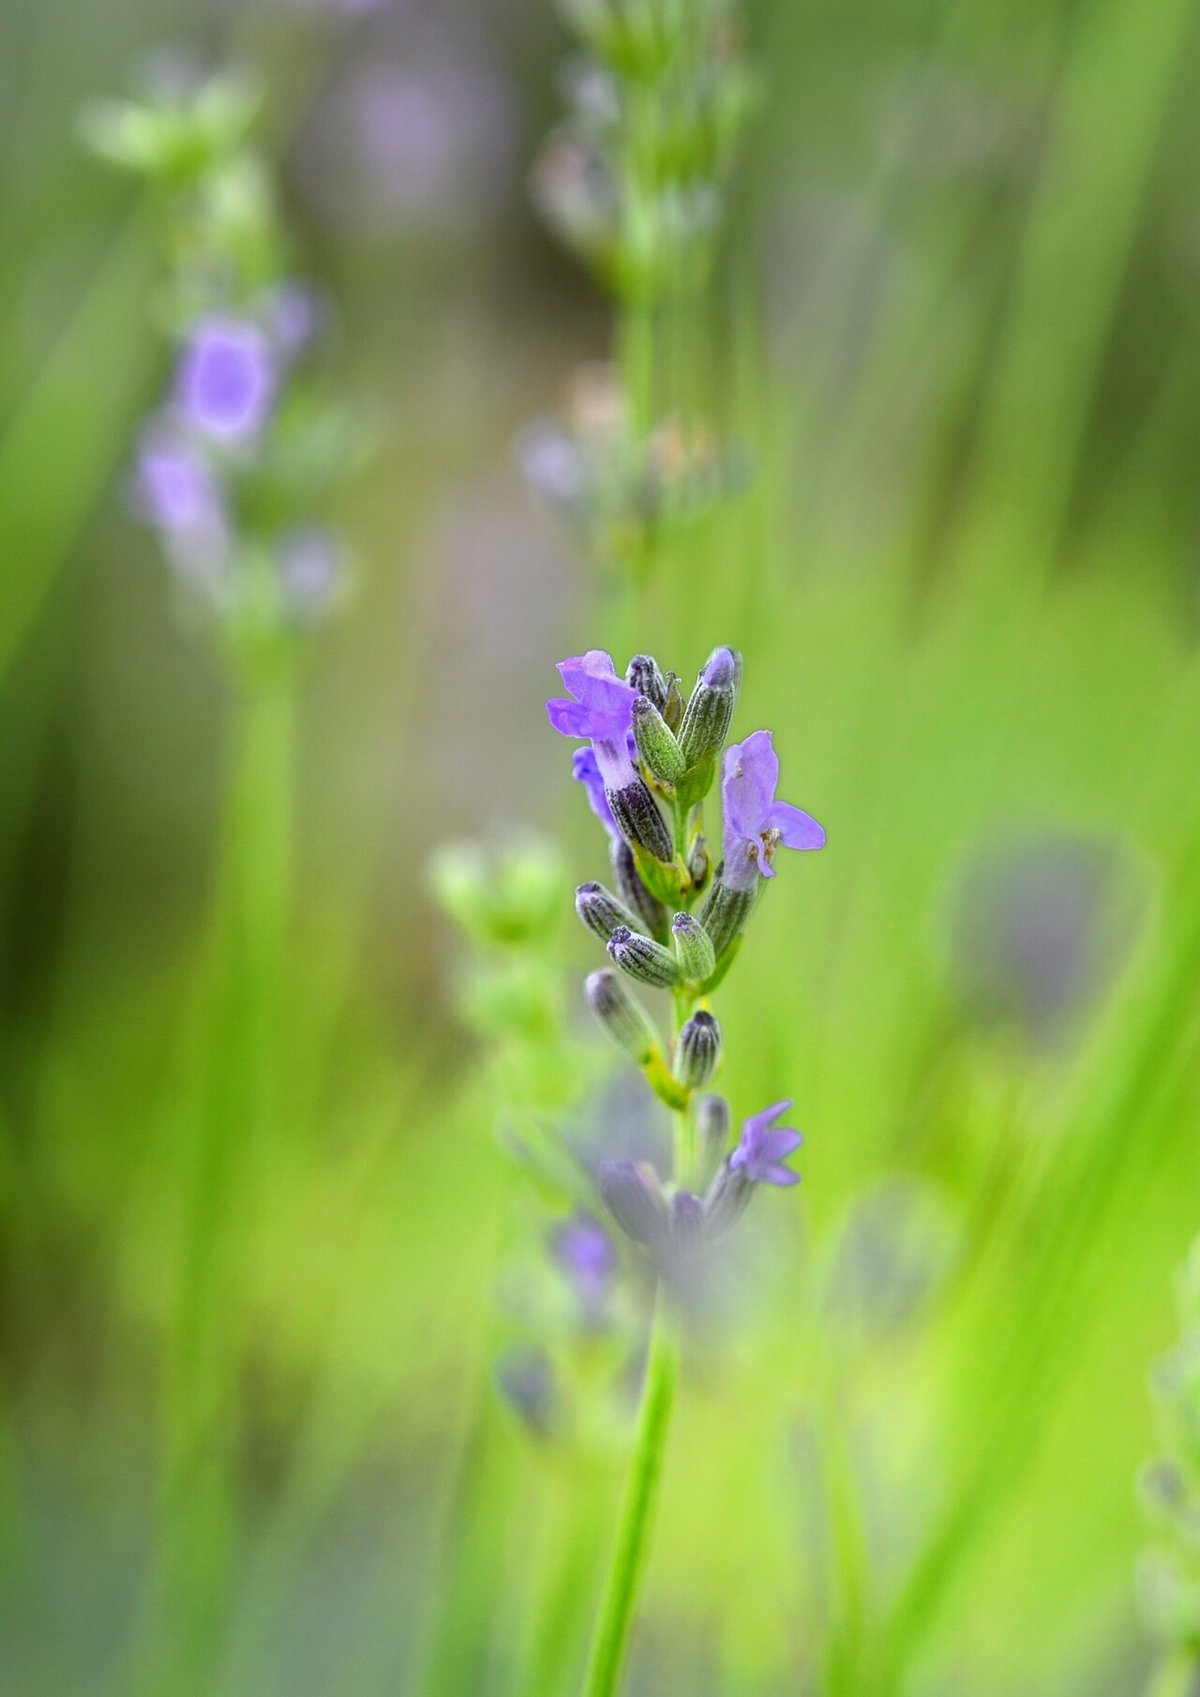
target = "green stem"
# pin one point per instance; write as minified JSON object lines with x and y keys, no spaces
{"x":611,"y":1641}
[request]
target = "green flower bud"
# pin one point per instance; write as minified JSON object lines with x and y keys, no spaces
{"x":622,"y":1016}
{"x":656,"y":743}
{"x":710,"y":710}
{"x":693,"y":949}
{"x":639,"y":821}
{"x":643,"y":959}
{"x":601,"y":912}
{"x":697,"y":1050}
{"x":713,"y":1124}
{"x":725,"y":915}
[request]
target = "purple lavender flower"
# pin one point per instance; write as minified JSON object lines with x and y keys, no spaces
{"x":764,"y":1146}
{"x":586,"y":771}
{"x":226,"y":379}
{"x":602,"y":710}
{"x":755,"y":823}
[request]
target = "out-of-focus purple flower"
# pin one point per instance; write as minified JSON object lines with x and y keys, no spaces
{"x":424,"y":134}
{"x":764,"y":1146}
{"x":174,"y":488}
{"x":585,"y":1252}
{"x":295,"y":313}
{"x":553,"y":464}
{"x":585,"y":770}
{"x":1041,"y":925}
{"x":226,"y":380}
{"x":310,"y":572}
{"x":754,"y":822}
{"x":602,"y":710}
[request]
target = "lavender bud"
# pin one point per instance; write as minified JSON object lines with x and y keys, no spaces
{"x":725,"y":914}
{"x":710,"y":710}
{"x":713,"y":1124}
{"x":727,"y":1197}
{"x":639,"y":820}
{"x":600,"y":911}
{"x":633,"y":1196}
{"x":643,"y":959}
{"x":656,"y":743}
{"x":693,"y":948}
{"x":673,"y":707}
{"x":644,"y":676}
{"x":699,"y":864}
{"x":687,"y":1223}
{"x":621,"y":1015}
{"x":653,"y":914}
{"x":697,"y":1051}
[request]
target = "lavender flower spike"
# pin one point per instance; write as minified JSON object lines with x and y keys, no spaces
{"x":764,"y":1146}
{"x":226,"y":380}
{"x":602,"y":711}
{"x":755,"y":823}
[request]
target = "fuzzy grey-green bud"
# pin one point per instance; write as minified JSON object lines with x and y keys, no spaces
{"x":693,"y":948}
{"x":622,"y":1015}
{"x":697,"y":1051}
{"x":639,"y":821}
{"x":656,"y":743}
{"x":644,"y":676}
{"x":643,"y":959}
{"x":710,"y":710}
{"x":713,"y":1124}
{"x":600,"y":910}
{"x":725,"y":915}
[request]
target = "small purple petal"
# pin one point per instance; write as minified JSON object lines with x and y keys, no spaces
{"x":763,"y":1146}
{"x":797,"y":829}
{"x":586,"y":771}
{"x":777,"y":1145}
{"x":569,"y":718}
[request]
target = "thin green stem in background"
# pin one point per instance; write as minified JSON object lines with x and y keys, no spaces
{"x":234,"y":1112}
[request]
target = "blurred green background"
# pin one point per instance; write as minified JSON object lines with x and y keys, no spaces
{"x":955,"y":327}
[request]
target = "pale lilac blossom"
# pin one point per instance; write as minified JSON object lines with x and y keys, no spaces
{"x":755,"y":824}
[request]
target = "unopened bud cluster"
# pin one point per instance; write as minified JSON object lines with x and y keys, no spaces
{"x":233,"y":465}
{"x":673,"y":922}
{"x":634,"y":179}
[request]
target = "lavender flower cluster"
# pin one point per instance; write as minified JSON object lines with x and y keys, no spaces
{"x":633,"y":180}
{"x":229,"y":463}
{"x":651,"y":758}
